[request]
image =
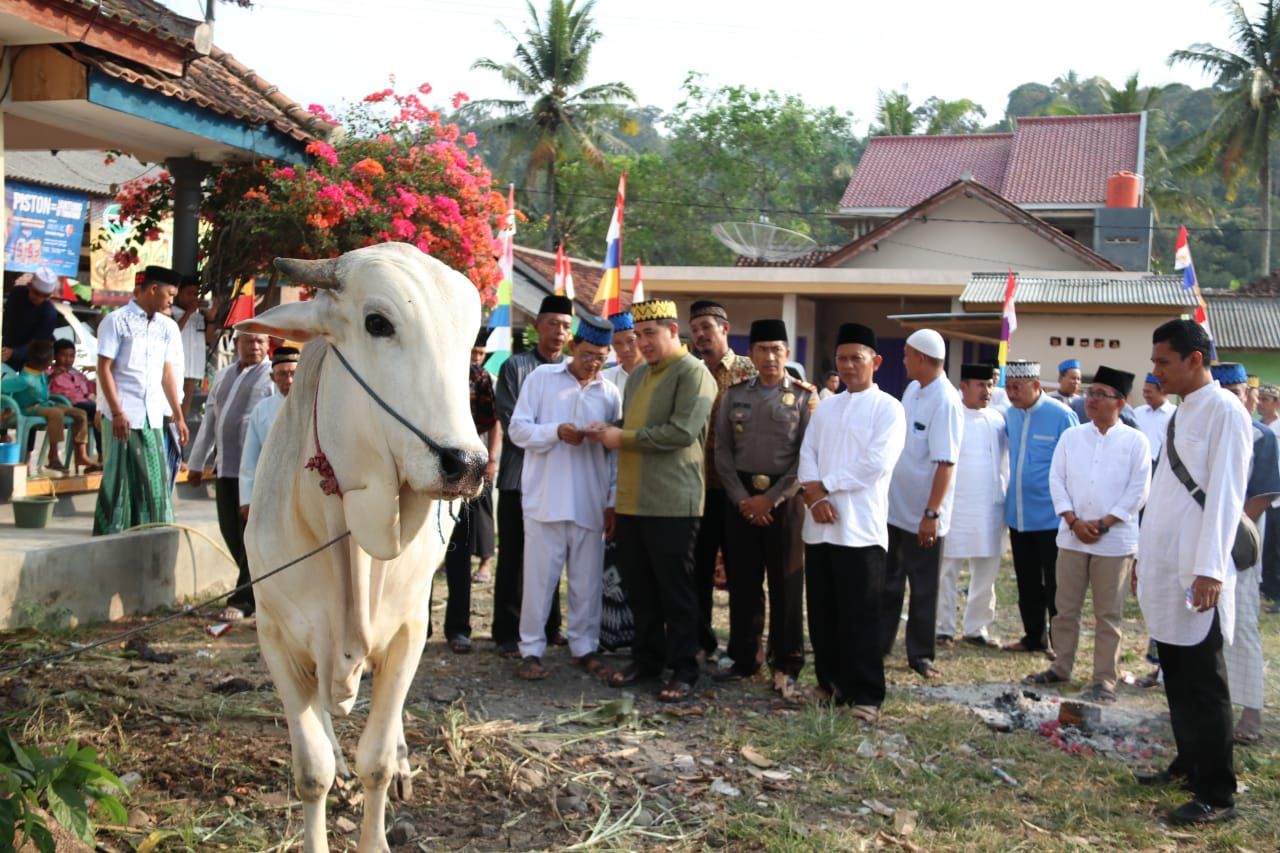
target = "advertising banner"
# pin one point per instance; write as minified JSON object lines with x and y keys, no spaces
{"x":45,"y":228}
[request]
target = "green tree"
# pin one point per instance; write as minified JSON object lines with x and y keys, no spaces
{"x":962,"y":116}
{"x":1238,"y":140}
{"x":894,"y":115}
{"x":555,"y":115}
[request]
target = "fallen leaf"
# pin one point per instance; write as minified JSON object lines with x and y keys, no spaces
{"x":904,"y":821}
{"x":879,"y":808}
{"x":1031,"y":826}
{"x":757,"y":758}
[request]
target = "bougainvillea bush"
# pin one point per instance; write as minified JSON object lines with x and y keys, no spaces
{"x":395,"y":171}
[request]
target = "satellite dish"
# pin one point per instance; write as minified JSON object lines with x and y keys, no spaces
{"x":202,"y":38}
{"x":763,"y":241}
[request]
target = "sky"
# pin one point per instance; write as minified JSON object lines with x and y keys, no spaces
{"x":829,"y":52}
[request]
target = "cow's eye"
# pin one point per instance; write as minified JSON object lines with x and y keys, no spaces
{"x":378,"y":326}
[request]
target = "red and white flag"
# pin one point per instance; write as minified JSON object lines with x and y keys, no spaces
{"x":564,"y":273}
{"x":637,"y":286}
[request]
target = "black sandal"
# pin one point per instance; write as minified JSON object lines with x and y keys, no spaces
{"x":1046,"y":677}
{"x":592,"y":664}
{"x":625,"y":677}
{"x":675,"y":691}
{"x":531,"y":669}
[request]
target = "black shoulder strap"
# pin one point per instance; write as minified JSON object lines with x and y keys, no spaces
{"x":1179,"y":470}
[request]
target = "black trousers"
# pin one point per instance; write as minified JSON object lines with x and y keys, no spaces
{"x":844,"y":588}
{"x":655,"y":557}
{"x":508,"y":578}
{"x":1035,"y":556}
{"x":752,"y":556}
{"x":909,"y":562}
{"x":710,"y":541}
{"x":226,"y":491}
{"x":457,"y":564}
{"x":1271,"y":555}
{"x":1195,"y":682}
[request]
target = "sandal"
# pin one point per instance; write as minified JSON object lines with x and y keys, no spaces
{"x":592,"y":664}
{"x":1046,"y":677}
{"x":460,"y":644}
{"x":531,"y":669}
{"x":1246,"y":736}
{"x":869,"y":714}
{"x":509,"y":651}
{"x":625,"y":677}
{"x":230,"y":614}
{"x":675,"y":691}
{"x":924,"y":668}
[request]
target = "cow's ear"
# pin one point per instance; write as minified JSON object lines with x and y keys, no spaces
{"x":297,"y":321}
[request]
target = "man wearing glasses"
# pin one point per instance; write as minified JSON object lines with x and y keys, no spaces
{"x":1098,"y":480}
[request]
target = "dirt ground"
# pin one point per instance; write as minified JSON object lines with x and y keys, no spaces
{"x":509,"y":765}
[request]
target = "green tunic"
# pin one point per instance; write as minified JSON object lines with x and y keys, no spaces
{"x":664,"y":429}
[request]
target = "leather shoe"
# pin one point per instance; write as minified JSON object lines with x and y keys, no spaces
{"x":1196,"y":812}
{"x":1159,"y":777}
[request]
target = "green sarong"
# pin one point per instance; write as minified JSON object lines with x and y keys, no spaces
{"x":135,"y":482}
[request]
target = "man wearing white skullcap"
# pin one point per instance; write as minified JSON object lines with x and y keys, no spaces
{"x":920,"y":496}
{"x":28,"y":315}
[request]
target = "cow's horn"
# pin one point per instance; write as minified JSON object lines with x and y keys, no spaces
{"x":323,"y":274}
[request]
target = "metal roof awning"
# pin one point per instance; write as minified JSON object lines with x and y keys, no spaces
{"x":980,"y":327}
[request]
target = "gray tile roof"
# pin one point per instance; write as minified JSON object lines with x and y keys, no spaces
{"x":1244,"y":322}
{"x":1100,"y":289}
{"x":82,"y":171}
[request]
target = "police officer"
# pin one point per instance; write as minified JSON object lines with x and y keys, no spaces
{"x":759,"y":427}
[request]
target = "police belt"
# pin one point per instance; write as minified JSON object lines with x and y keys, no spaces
{"x":758,"y":484}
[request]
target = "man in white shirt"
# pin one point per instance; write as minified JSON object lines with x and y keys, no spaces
{"x":236,"y":389}
{"x":847,"y":459}
{"x":1185,"y":579}
{"x":625,"y":347}
{"x":567,"y":488}
{"x":1099,"y":478}
{"x":920,"y":500}
{"x":139,"y":383}
{"x":977,"y":512}
{"x":1153,"y":415}
{"x":197,"y":332}
{"x":284,"y":363}
{"x":1269,"y":409}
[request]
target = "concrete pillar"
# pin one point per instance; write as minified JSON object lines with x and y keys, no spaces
{"x":789,"y":317}
{"x":188,"y":192}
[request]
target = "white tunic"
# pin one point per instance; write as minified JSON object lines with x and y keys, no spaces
{"x":935,"y":425}
{"x":560,"y":482}
{"x":1154,"y":423}
{"x":260,"y":420}
{"x":981,"y":478}
{"x":1177,"y":540}
{"x":618,"y":376}
{"x":194,"y":348}
{"x":1096,"y":474}
{"x":852,"y":445}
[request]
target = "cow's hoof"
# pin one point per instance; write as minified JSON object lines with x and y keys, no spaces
{"x":402,"y":787}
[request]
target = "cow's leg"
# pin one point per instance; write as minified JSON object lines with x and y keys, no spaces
{"x":377,"y":757}
{"x":402,"y":781}
{"x":339,"y":761}
{"x":313,"y":753}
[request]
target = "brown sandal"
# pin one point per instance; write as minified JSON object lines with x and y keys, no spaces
{"x":593,"y":665}
{"x":531,"y":669}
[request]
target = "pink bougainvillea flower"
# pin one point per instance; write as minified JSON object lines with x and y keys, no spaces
{"x":460,"y":98}
{"x":369,"y":169}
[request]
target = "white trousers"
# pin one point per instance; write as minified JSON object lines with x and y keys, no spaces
{"x":1244,"y":656}
{"x":548,"y":547}
{"x":980,"y":611}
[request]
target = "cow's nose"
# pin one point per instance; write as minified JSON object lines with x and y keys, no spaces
{"x":458,"y":465}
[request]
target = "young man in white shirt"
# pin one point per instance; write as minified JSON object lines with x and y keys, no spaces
{"x":139,"y":383}
{"x":567,"y":490}
{"x":977,"y":519}
{"x":847,"y":459}
{"x":197,"y":333}
{"x":920,"y":500}
{"x":1153,"y":415}
{"x":626,"y":347}
{"x":1185,"y":581}
{"x":1099,"y":478}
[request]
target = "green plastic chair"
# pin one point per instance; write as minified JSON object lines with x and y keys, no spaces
{"x":25,"y":423}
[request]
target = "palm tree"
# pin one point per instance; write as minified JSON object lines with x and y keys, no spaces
{"x":895,"y":115}
{"x":1238,"y":139}
{"x":553,"y":116}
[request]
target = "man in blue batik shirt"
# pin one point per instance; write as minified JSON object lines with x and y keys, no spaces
{"x":1034,"y":424}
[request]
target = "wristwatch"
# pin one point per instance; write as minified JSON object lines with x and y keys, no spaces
{"x":1102,"y":528}
{"x":932,"y":514}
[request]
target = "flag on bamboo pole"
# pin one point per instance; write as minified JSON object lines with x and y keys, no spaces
{"x":1182,"y":261}
{"x":500,"y":318}
{"x":610,"y":291}
{"x":1008,"y":323}
{"x":564,"y":273}
{"x":637,"y":285}
{"x":241,"y":303}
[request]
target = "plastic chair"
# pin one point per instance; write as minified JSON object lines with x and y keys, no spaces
{"x":24,"y":423}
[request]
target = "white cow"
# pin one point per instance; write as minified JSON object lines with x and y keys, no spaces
{"x":404,"y":323}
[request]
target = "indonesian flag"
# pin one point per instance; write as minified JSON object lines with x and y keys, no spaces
{"x":500,"y":319}
{"x":1008,"y":322}
{"x":637,"y":286}
{"x":1182,"y":261}
{"x":610,"y":291}
{"x":241,"y":303}
{"x":564,"y":273}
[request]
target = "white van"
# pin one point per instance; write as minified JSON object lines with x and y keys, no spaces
{"x":78,"y":333}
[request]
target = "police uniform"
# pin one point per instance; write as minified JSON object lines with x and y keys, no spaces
{"x":758,"y":435}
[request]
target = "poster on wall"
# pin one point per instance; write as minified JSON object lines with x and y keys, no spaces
{"x":111,"y":234}
{"x":44,"y":228}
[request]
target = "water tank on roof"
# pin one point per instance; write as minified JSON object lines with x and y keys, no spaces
{"x":1124,"y":189}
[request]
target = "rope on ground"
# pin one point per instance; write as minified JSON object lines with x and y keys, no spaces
{"x":186,"y":611}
